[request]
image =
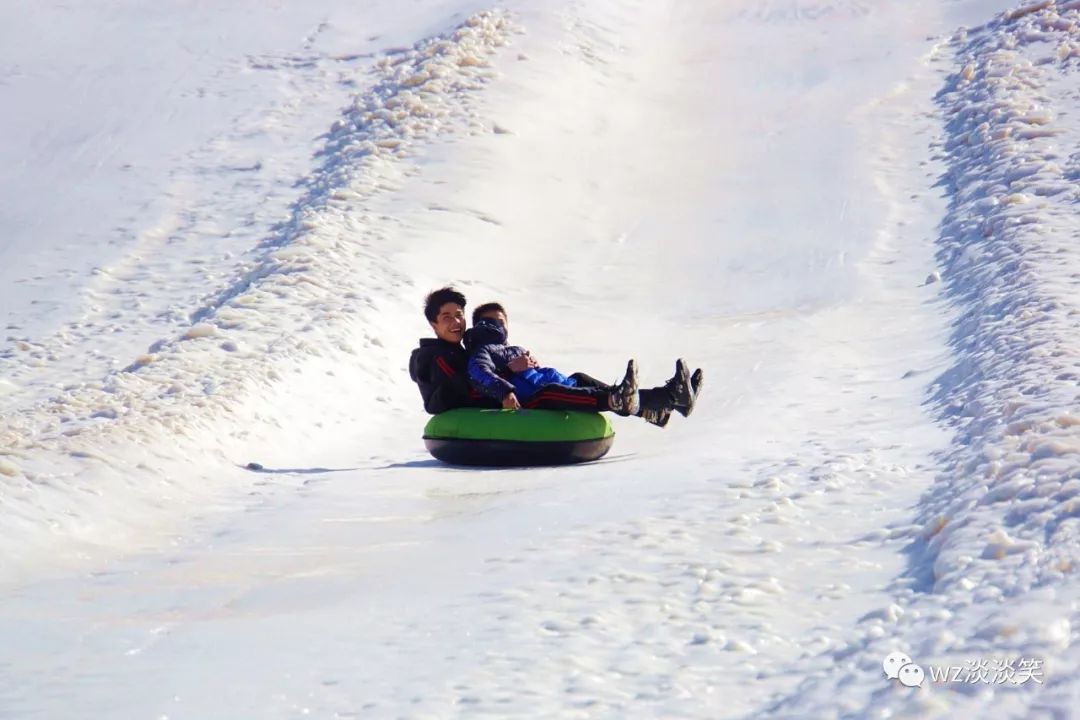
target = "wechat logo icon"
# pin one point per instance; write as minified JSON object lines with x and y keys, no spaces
{"x":898,"y":666}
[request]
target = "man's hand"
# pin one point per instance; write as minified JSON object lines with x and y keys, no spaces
{"x":510,"y":402}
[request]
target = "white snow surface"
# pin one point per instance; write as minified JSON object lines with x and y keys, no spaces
{"x":221,"y":221}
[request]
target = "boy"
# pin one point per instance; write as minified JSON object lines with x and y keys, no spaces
{"x":654,"y":404}
{"x":490,"y":373}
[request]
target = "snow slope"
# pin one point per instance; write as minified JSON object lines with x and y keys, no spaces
{"x":158,"y":405}
{"x":853,"y":215}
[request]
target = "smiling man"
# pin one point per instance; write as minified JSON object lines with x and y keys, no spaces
{"x":439,"y":365}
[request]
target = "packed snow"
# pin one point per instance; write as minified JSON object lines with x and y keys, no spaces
{"x":857,"y":217}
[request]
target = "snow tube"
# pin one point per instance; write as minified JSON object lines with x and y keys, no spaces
{"x":471,"y":436}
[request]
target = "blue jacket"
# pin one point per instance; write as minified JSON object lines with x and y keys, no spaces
{"x":489,"y":356}
{"x":489,"y":360}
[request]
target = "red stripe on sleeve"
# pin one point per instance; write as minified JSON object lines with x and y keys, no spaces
{"x":445,"y":367}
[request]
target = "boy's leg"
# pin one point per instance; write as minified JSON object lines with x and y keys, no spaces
{"x":529,"y":382}
{"x":525,"y":384}
{"x":551,"y":376}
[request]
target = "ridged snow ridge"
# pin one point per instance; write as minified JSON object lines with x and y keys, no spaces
{"x":994,"y":572}
{"x":318,"y":279}
{"x":1008,"y":249}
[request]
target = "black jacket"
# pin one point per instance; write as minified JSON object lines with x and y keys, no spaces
{"x":440,"y":368}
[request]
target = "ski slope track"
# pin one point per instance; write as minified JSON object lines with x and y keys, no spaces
{"x":858,"y":218}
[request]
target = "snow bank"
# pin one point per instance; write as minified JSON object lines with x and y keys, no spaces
{"x":993,"y":568}
{"x":104,"y":454}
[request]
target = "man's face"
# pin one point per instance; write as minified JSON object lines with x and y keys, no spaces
{"x":449,"y":325}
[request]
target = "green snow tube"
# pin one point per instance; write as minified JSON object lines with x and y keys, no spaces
{"x":471,"y":436}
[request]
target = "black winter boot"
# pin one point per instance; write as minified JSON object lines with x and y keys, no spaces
{"x":684,"y":387}
{"x":624,"y":396}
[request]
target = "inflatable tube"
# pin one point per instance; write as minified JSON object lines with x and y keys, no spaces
{"x":507,"y":438}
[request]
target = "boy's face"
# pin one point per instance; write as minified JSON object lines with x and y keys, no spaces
{"x":497,"y":315}
{"x":449,"y":325}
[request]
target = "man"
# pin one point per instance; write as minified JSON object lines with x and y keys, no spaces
{"x":440,"y":367}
